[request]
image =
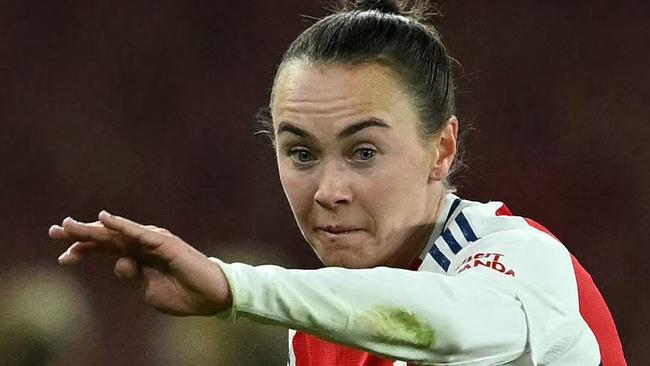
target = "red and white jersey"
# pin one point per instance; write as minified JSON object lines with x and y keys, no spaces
{"x":489,"y":289}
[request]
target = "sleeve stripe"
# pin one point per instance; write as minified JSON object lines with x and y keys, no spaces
{"x":451,"y":241}
{"x":453,"y":208}
{"x":467,"y":231}
{"x":437,"y":255}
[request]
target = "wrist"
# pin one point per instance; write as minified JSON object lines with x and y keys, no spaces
{"x":219,"y":296}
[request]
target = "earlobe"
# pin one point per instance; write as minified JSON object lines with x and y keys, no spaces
{"x":435,"y":175}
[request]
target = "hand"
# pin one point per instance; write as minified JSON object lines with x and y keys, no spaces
{"x":171,"y":275}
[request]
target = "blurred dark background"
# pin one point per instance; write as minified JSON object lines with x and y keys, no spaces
{"x":145,"y":108}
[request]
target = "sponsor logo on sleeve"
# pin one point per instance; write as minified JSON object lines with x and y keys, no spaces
{"x":493,"y":261}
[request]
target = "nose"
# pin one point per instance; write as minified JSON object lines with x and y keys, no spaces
{"x":334,"y":187}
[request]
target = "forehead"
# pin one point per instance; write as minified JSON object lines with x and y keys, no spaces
{"x":308,"y":93}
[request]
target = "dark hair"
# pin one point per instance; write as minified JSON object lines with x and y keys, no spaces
{"x":393,"y":33}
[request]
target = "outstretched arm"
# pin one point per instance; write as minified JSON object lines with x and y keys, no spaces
{"x":478,"y":316}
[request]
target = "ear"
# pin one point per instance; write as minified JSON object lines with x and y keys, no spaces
{"x":444,"y":150}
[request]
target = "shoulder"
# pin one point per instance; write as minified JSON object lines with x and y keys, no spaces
{"x":518,"y":256}
{"x":489,"y":232}
{"x":469,"y":227}
{"x":475,"y":221}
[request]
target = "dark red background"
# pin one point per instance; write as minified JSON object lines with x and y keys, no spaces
{"x":146,"y":108}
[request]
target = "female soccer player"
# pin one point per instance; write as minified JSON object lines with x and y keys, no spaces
{"x":362,"y":120}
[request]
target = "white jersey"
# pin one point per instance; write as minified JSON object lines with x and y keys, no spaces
{"x":489,"y":289}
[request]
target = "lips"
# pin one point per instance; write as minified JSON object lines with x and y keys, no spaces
{"x":338,"y":229}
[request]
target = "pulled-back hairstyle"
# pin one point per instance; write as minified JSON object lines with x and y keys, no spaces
{"x":389,"y":32}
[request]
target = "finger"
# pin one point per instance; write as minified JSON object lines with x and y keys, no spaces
{"x":85,"y":231}
{"x":140,"y":233}
{"x":95,"y":231}
{"x":75,"y":253}
{"x":57,"y":232}
{"x":158,"y":229}
{"x":128,"y":269}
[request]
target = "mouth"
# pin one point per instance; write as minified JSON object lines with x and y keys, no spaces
{"x":337,"y":233}
{"x":337,"y":229}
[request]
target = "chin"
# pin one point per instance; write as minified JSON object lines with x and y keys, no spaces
{"x":347,"y":260}
{"x":347,"y":251}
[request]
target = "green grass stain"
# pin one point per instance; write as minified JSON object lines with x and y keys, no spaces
{"x":399,"y":326}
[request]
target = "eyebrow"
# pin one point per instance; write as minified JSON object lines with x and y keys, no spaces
{"x":346,"y":132}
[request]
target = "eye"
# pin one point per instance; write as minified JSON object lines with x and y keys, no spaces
{"x":364,"y":154}
{"x":301,"y":156}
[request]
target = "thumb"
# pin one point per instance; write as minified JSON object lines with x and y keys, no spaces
{"x":127,"y":269}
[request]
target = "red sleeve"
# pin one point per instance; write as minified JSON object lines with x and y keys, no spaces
{"x":595,"y":312}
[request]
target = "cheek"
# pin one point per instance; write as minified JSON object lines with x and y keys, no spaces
{"x":399,"y":186}
{"x":298,"y":189}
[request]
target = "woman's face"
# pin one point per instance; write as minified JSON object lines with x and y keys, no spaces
{"x":363,"y":186}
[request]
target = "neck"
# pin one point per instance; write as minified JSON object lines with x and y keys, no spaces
{"x":419,"y":238}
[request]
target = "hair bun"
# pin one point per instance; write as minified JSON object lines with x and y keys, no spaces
{"x":384,"y":6}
